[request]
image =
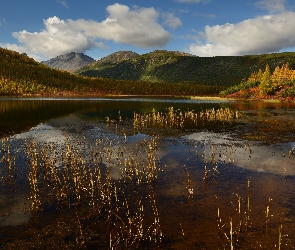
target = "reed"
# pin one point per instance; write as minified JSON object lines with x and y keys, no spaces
{"x":181,"y":119}
{"x":280,"y":235}
{"x":267,"y":213}
{"x":231,"y":234}
{"x":8,"y":162}
{"x":248,"y":203}
{"x":77,"y":178}
{"x":112,"y":183}
{"x":218,"y":221}
{"x":189,"y":186}
{"x":33,"y":177}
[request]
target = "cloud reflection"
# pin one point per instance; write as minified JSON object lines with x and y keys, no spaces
{"x":14,"y":211}
{"x":274,"y":158}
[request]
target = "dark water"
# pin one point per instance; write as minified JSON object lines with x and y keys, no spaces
{"x":219,"y":185}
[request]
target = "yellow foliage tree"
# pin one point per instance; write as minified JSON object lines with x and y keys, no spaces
{"x":255,"y":76}
{"x":266,"y":86}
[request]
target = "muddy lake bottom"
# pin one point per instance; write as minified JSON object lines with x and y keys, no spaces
{"x":89,"y":174}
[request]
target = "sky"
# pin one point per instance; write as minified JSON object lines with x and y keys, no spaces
{"x":44,"y":29}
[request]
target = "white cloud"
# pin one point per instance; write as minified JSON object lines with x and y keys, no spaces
{"x":272,"y":6}
{"x":63,"y":3}
{"x":57,"y":38}
{"x":263,"y":34}
{"x":198,"y":14}
{"x":137,"y":27}
{"x":171,"y":21}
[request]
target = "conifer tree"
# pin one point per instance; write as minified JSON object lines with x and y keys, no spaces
{"x":266,"y":86}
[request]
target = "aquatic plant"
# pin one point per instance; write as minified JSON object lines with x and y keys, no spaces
{"x":68,"y":176}
{"x":183,"y":119}
{"x":103,"y":191}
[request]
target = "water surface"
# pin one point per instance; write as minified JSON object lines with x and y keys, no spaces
{"x":206,"y":187}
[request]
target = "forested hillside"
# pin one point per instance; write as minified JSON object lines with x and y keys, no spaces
{"x":262,"y":84}
{"x":21,"y":75}
{"x":257,"y":76}
{"x":177,"y":67}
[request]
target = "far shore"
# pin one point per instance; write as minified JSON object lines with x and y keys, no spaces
{"x":68,"y":94}
{"x":211,"y":98}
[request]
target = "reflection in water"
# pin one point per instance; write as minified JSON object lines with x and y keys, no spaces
{"x":21,"y":114}
{"x":15,"y":210}
{"x":276,"y":159}
{"x":80,"y":183}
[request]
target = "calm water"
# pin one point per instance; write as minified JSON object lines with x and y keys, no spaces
{"x":71,"y":180}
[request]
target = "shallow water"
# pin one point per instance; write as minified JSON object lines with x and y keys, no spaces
{"x":174,"y":181}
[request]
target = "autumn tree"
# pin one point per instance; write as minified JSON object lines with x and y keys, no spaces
{"x":266,"y":86}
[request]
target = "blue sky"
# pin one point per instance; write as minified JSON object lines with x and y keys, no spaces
{"x":47,"y":28}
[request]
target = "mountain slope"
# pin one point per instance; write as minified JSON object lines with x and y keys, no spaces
{"x":69,"y":62}
{"x":176,"y":67}
{"x":189,"y":75}
{"x":21,"y":75}
{"x":108,"y":62}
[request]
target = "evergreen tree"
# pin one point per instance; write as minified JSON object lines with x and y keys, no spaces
{"x":266,"y":86}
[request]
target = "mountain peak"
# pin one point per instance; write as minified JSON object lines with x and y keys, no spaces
{"x":70,"y":62}
{"x":119,"y":56}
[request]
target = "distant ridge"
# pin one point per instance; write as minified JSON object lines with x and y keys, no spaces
{"x":117,"y":57}
{"x":159,"y":73}
{"x":178,"y":67}
{"x":128,"y":65}
{"x":69,"y":62}
{"x":110,"y":60}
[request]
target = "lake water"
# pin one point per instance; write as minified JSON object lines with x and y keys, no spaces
{"x":77,"y":173}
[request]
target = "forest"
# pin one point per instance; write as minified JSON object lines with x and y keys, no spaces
{"x":21,"y":75}
{"x":264,"y":84}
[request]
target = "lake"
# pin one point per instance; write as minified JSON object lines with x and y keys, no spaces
{"x":146,"y":173}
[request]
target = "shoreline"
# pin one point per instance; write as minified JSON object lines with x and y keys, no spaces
{"x":101,"y":95}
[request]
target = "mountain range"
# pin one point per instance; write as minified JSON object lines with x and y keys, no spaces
{"x":156,"y":73}
{"x":171,"y":66}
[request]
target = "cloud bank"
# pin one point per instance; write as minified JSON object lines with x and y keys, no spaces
{"x":137,"y":27}
{"x":263,"y":34}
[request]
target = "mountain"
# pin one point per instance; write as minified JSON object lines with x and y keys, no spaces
{"x":115,"y":58}
{"x":69,"y":62}
{"x":21,"y":75}
{"x":128,"y":65}
{"x":109,"y":62}
{"x":176,"y":67}
{"x":155,"y":73}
